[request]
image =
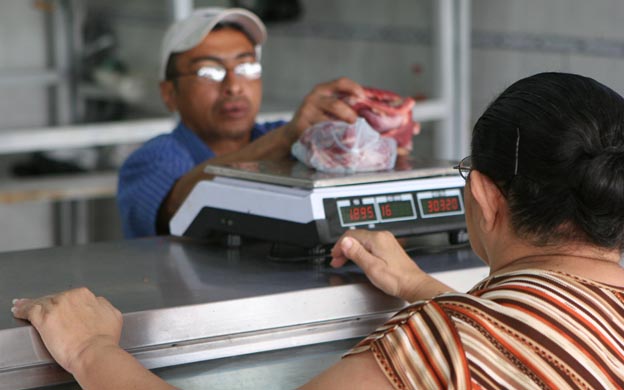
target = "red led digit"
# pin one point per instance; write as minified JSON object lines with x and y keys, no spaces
{"x":441,"y":205}
{"x":354,"y":213}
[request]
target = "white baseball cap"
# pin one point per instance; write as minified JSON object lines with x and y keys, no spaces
{"x":187,"y":33}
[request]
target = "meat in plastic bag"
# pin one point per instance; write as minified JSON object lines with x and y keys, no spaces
{"x":388,"y":113}
{"x":340,"y":147}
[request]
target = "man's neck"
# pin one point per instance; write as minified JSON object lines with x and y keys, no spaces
{"x":226,"y":146}
{"x":219,"y":144}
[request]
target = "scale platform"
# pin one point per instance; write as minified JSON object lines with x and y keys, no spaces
{"x":288,"y":202}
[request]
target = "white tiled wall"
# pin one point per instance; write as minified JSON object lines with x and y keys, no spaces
{"x":369,"y":41}
{"x":378,"y":43}
{"x":22,"y":48}
{"x":514,"y":39}
{"x":375,"y":43}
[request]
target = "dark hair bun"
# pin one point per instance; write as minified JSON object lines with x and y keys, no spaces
{"x":600,"y":184}
{"x":570,"y":180}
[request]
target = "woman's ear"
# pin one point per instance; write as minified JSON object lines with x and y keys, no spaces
{"x":489,"y":198}
{"x":168,"y":95}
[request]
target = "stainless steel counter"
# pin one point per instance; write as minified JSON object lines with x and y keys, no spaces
{"x":187,"y":302}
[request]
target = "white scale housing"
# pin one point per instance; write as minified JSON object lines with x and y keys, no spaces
{"x":287,"y":202}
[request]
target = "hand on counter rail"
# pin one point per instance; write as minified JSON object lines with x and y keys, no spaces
{"x":386,"y":264}
{"x":68,"y":332}
{"x":82,"y":331}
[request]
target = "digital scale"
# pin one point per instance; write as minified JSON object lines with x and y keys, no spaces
{"x":287,"y":202}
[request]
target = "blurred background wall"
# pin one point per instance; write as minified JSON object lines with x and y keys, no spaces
{"x":81,"y":62}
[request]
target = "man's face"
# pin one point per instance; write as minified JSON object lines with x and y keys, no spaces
{"x":217,"y":111}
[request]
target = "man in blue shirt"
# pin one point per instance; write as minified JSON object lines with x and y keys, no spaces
{"x":211,"y":76}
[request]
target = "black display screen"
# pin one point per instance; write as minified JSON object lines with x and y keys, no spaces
{"x":396,"y":209}
{"x":358,"y":213}
{"x":440,"y":205}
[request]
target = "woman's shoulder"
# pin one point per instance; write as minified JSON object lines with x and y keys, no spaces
{"x":543,"y":293}
{"x":538,"y":277}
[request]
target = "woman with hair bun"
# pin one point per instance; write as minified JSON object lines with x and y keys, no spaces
{"x":544,"y":202}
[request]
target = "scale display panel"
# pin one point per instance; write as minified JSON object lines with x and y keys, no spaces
{"x":377,"y":209}
{"x":381,"y":209}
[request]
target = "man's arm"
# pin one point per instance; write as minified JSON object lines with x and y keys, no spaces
{"x":322,"y":104}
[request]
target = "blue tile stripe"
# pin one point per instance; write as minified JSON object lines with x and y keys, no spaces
{"x":487,"y":40}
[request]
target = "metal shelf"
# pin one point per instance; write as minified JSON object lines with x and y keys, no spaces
{"x":95,"y":134}
{"x":30,"y":77}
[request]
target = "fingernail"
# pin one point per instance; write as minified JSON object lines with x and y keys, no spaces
{"x":15,"y":301}
{"x":347,"y":243}
{"x":13,"y":310}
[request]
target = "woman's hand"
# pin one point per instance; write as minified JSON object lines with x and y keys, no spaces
{"x":386,"y":264}
{"x":71,"y":323}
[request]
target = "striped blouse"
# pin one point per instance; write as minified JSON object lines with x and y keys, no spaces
{"x":529,"y":329}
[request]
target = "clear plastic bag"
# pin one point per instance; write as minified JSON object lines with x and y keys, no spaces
{"x":340,"y":147}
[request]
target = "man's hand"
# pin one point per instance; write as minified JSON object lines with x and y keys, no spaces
{"x":324,"y":103}
{"x":386,"y":264}
{"x":71,"y":323}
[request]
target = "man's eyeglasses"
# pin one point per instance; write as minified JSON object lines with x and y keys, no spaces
{"x":216,"y":73}
{"x":464,"y":167}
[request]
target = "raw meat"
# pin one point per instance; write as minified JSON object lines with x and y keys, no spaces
{"x":388,"y":113}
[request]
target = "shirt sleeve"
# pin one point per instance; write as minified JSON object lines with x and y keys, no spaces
{"x":419,"y":348}
{"x":148,"y":175}
{"x":145,"y":179}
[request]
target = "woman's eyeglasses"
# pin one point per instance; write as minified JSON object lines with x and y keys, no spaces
{"x":216,"y":73}
{"x":464,"y":167}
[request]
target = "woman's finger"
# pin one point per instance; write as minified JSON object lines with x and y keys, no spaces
{"x":21,"y":307}
{"x":354,"y":250}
